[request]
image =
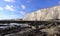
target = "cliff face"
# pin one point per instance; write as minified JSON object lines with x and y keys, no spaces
{"x":44,"y":14}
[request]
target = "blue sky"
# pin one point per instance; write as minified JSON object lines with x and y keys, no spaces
{"x":15,"y":9}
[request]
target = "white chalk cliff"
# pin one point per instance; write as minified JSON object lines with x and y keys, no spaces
{"x":44,"y":14}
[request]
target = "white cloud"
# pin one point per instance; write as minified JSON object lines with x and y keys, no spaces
{"x":9,"y":0}
{"x":4,"y":16}
{"x":10,"y":8}
{"x":22,"y":12}
{"x":14,"y":16}
{"x":28,"y":1}
{"x":23,"y":7}
{"x":59,"y":2}
{"x":1,"y":8}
